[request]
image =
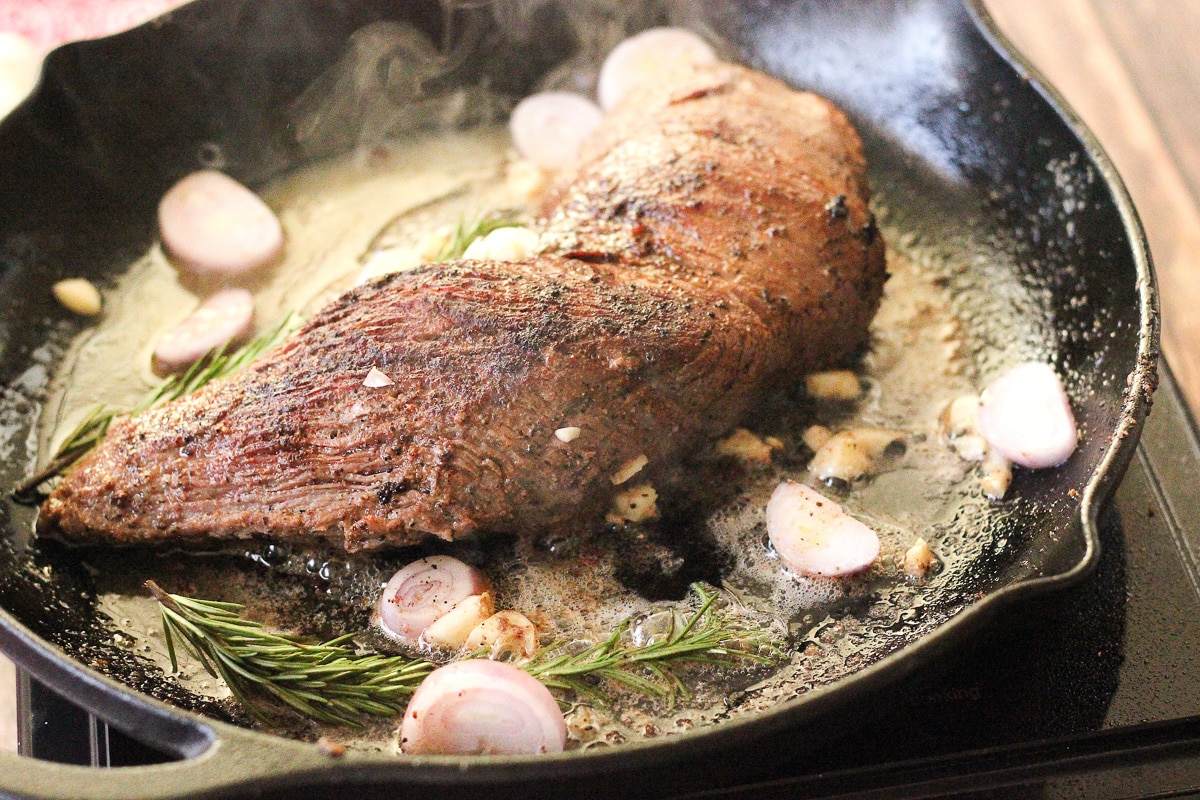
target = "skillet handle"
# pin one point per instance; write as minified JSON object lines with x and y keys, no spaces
{"x":235,"y":758}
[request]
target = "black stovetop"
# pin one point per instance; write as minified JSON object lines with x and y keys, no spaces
{"x":1092,"y":692}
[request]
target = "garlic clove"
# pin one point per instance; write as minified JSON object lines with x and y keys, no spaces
{"x":213,"y":225}
{"x":548,"y":128}
{"x":451,"y":630}
{"x":505,"y":633}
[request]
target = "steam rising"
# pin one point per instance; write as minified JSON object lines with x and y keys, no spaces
{"x":394,"y":78}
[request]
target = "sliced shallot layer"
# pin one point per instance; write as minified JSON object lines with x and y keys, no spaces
{"x":213,"y":225}
{"x":548,"y":128}
{"x":482,"y":707}
{"x":1025,"y":415}
{"x":815,"y":536}
{"x":644,"y":57}
{"x":424,"y":591}
{"x":223,"y":320}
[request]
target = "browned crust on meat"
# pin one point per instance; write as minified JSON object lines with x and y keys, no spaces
{"x":715,"y":240}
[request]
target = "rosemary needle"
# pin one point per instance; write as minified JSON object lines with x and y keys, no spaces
{"x":332,"y":682}
{"x":328,"y":682}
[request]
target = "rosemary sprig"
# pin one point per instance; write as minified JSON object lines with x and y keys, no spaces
{"x":328,"y":682}
{"x":331,"y":682}
{"x":468,"y":230}
{"x":217,"y":364}
{"x":705,"y":637}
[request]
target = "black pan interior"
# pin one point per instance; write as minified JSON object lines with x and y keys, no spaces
{"x":983,"y":176}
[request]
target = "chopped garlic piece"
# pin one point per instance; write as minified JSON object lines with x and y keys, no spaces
{"x":568,"y":434}
{"x":850,"y":455}
{"x":970,"y":447}
{"x":524,"y":178}
{"x":842,"y":457}
{"x":815,"y":437}
{"x":78,"y":295}
{"x":432,"y":244}
{"x":960,"y":428}
{"x":504,"y":244}
{"x":630,"y":468}
{"x":838,"y":384}
{"x":961,"y":416}
{"x":635,"y":504}
{"x":918,"y":559}
{"x":385,"y":262}
{"x":745,"y":445}
{"x":996,"y":475}
{"x":375,"y":378}
{"x":505,"y":633}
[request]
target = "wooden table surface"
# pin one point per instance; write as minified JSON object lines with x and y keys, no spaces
{"x":1131,"y":68}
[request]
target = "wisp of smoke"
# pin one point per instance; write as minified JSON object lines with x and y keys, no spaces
{"x":394,"y":77}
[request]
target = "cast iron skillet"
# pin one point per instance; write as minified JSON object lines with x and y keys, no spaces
{"x":978,"y":161}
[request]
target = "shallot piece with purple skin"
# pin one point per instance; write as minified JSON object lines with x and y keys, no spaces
{"x":214,"y":226}
{"x":1025,"y":415}
{"x":549,"y":127}
{"x":423,"y":592}
{"x":814,"y":536}
{"x":482,"y":707}
{"x":644,"y":57}
{"x":223,"y":320}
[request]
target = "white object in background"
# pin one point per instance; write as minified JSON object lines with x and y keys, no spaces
{"x":214,"y":226}
{"x":644,"y":57}
{"x":20,"y":69}
{"x":223,"y":320}
{"x":548,"y":128}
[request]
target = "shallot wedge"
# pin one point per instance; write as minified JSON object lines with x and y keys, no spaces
{"x":644,"y":57}
{"x":1025,"y":415}
{"x":482,"y":707}
{"x":815,"y":536}
{"x":549,"y":127}
{"x":213,"y":225}
{"x":223,"y":320}
{"x":424,"y":591}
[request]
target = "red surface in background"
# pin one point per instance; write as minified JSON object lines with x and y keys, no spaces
{"x":49,"y":23}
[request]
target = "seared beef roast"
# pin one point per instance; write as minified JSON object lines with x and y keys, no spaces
{"x":714,"y":241}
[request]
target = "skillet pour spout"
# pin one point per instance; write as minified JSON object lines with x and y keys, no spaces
{"x":981,"y":170}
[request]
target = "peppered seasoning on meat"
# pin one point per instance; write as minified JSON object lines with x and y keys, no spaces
{"x":714,"y":241}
